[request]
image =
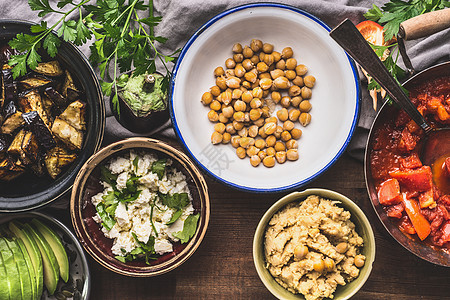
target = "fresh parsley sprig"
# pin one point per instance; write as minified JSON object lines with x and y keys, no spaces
{"x":123,"y":41}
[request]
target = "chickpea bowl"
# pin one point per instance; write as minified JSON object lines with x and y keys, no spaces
{"x":262,"y":99}
{"x":314,"y":244}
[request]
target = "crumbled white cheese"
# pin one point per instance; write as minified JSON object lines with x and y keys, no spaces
{"x":163,"y":246}
{"x":122,"y":181}
{"x":121,"y":215}
{"x":119,"y":165}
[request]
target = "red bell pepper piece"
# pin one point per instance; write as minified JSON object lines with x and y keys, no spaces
{"x":420,"y":223}
{"x":418,"y":179}
{"x":389,"y":192}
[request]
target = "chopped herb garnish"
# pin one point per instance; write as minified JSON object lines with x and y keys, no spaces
{"x":108,"y":221}
{"x":176,"y":215}
{"x":176,"y":200}
{"x":159,"y":167}
{"x":189,"y":228}
{"x":107,"y":176}
{"x":135,"y":164}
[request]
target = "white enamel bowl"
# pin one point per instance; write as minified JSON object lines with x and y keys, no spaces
{"x":335,"y":99}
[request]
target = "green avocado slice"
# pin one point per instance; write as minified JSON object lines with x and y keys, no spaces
{"x":4,"y":283}
{"x":24,"y":274}
{"x":56,"y":245}
{"x":12,"y":274}
{"x":30,"y":267}
{"x":33,"y":250}
{"x":51,"y":267}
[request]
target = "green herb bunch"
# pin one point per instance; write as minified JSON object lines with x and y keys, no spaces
{"x":391,"y":15}
{"x":122,"y":40}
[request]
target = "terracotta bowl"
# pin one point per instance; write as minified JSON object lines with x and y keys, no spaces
{"x":29,"y":192}
{"x":88,"y":231}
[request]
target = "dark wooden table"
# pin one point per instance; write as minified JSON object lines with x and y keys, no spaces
{"x":222,"y":267}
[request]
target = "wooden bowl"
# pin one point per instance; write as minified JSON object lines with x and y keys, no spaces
{"x":87,"y":184}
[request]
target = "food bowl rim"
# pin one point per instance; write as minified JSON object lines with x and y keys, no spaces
{"x":296,"y":196}
{"x":182,"y":140}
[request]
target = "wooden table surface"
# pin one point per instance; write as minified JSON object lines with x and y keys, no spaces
{"x":222,"y":267}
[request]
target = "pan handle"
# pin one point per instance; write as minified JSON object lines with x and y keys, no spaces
{"x":424,"y":25}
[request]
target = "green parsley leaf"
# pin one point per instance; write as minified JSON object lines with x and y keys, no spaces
{"x":176,"y":215}
{"x":189,"y":228}
{"x":176,"y":200}
{"x":41,"y":5}
{"x":135,"y":163}
{"x":120,"y":258}
{"x":107,"y":176}
{"x":108,"y":221}
{"x":159,"y":167}
{"x":33,"y":58}
{"x":20,"y":64}
{"x":51,"y":44}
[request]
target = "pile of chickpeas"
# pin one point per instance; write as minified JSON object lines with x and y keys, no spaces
{"x":256,"y":79}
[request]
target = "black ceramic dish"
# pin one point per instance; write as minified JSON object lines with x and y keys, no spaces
{"x":28,"y":192}
{"x":411,"y":243}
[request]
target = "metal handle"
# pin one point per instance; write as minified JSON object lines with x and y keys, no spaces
{"x":349,"y":38}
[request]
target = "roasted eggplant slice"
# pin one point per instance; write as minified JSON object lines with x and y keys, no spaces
{"x":30,"y":147}
{"x":32,"y":101}
{"x":34,"y":82}
{"x":2,"y":92}
{"x":69,"y":90}
{"x":51,"y":68}
{"x":55,"y":97}
{"x":75,"y":115}
{"x":3,"y":144}
{"x":37,"y":126}
{"x":15,"y":148}
{"x":67,"y":134}
{"x":56,"y":159}
{"x":13,"y":122}
{"x":9,"y":169}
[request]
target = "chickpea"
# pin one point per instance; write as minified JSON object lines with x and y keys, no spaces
{"x":255,"y":59}
{"x":285,"y":136}
{"x":296,"y":133}
{"x":257,"y":92}
{"x":271,"y":151}
{"x":255,"y":114}
{"x":276,"y":56}
{"x":237,"y":48}
{"x":261,"y":56}
{"x":240,"y":152}
{"x":304,"y":119}
{"x":281,"y":64}
{"x":215,"y":91}
{"x":270,"y":128}
{"x":239,"y":105}
{"x":225,"y":97}
{"x":260,"y":144}
{"x":219,"y":127}
{"x":213,"y":116}
{"x":221,"y":82}
{"x":262,"y":133}
{"x":256,"y":45}
{"x":319,"y":265}
{"x":256,"y":103}
{"x":329,"y":264}
{"x":360,"y":260}
{"x":265,"y":83}
{"x":276,"y":73}
{"x":246,"y":142}
{"x":298,"y":81}
{"x":248,"y":64}
{"x":236,"y":94}
{"x":294,"y":91}
{"x":309,"y":81}
{"x":255,"y":160}
{"x":269,"y":161}
{"x":342,"y":247}
{"x":281,"y":83}
{"x":216,"y":138}
{"x":219,"y":71}
{"x":290,"y":74}
{"x":243,"y":132}
{"x":295,"y":101}
{"x":230,"y":63}
{"x":305,"y":106}
{"x":207,"y":98}
{"x":238,"y":58}
{"x":267,"y":48}
{"x":239,"y":70}
{"x":287,"y":53}
{"x":247,"y":96}
{"x":227,"y":111}
{"x":292,"y":154}
{"x":230,"y":129}
{"x":262,"y":154}
{"x":282,"y":114}
{"x":288,"y":124}
{"x":253,"y":131}
{"x":235,"y":139}
{"x":268,"y":59}
{"x":301,"y":70}
{"x":252,"y":150}
{"x":278,"y":132}
{"x":276,"y":97}
{"x":291,"y":144}
{"x":259,"y":122}
{"x":247,"y":52}
{"x":226,"y":137}
{"x":229,"y":73}
{"x":262,"y":67}
{"x":246,"y":84}
{"x":215,"y":105}
{"x":300,"y":252}
{"x":291,"y":63}
{"x":285,"y":101}
{"x":271,"y":140}
{"x":250,"y":77}
{"x":271,"y":119}
{"x":238,"y":125}
{"x":279,"y":146}
{"x":280,"y":156}
{"x":233,"y":82}
{"x":294,"y":114}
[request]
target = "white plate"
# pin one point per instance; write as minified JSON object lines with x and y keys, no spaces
{"x":335,"y":99}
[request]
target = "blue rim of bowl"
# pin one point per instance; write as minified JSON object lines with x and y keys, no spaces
{"x":178,"y":132}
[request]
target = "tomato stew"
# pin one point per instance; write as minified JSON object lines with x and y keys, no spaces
{"x":415,"y":196}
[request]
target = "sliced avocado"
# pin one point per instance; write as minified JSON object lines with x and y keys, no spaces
{"x":12,"y":274}
{"x":24,"y":274}
{"x":51,"y":267}
{"x":4,"y":283}
{"x":30,"y":267}
{"x":33,"y":250}
{"x":55,"y":243}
